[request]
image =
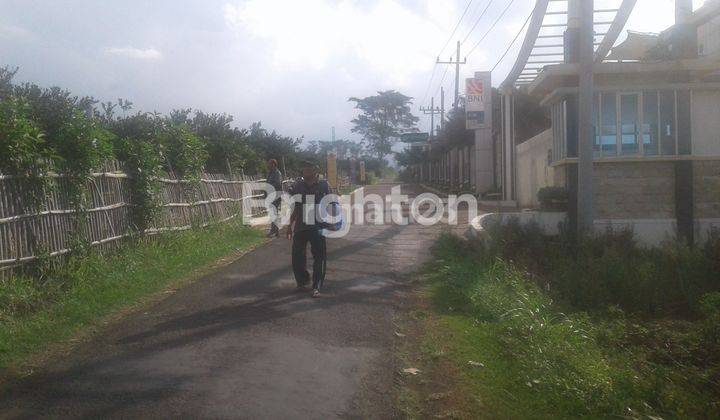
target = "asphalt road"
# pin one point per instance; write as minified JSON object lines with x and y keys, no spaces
{"x":241,"y":343}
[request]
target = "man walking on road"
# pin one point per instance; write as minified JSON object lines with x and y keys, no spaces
{"x":274,"y":178}
{"x":301,"y":231}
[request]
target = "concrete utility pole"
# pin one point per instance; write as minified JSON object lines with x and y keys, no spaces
{"x":683,"y":11}
{"x":442,"y":107}
{"x":585,"y":13}
{"x":431,"y":111}
{"x":457,"y":63}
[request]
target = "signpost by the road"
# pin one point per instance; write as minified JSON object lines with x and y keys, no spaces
{"x":478,"y":101}
{"x":332,"y":170}
{"x":414,"y":137}
{"x":478,"y":116}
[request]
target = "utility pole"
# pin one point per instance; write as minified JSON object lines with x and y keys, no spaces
{"x":585,"y":12}
{"x":431,"y":111}
{"x":442,"y":107}
{"x":457,"y":63}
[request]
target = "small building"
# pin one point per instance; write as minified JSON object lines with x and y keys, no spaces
{"x":656,"y":118}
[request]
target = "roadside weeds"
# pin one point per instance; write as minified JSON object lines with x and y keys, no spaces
{"x":102,"y":291}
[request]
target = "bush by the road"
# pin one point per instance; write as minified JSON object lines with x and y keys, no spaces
{"x":612,"y":269}
{"x":583,"y":333}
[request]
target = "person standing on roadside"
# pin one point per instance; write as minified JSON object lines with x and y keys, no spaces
{"x":274,"y":178}
{"x":311,"y":190}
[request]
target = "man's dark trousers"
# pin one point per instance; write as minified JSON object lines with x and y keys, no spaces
{"x":299,"y":257}
{"x":274,"y":229}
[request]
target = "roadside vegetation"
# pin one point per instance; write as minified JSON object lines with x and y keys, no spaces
{"x":540,"y":328}
{"x":50,"y":143}
{"x":47,"y":129}
{"x":55,"y":305}
{"x":50,"y":130}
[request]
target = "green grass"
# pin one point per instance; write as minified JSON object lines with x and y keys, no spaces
{"x":37,"y":312}
{"x":546,"y":360}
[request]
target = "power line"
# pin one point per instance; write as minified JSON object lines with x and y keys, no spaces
{"x":457,"y":64}
{"x":491,"y":27}
{"x":427,"y":89}
{"x":477,"y":21}
{"x":457,"y":25}
{"x":514,"y":40}
{"x":442,"y":80}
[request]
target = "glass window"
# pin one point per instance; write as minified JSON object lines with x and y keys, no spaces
{"x":650,"y":129}
{"x":667,"y":122}
{"x":608,"y":126}
{"x":629,"y":118}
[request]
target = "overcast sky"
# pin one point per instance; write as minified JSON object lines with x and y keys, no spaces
{"x":291,"y":64}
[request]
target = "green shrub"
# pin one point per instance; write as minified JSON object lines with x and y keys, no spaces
{"x":82,"y":145}
{"x":610,"y":269}
{"x":710,"y":308}
{"x":184,"y":152}
{"x":20,"y":296}
{"x":555,"y":352}
{"x":141,"y":155}
{"x":603,"y":364}
{"x":23,"y":150}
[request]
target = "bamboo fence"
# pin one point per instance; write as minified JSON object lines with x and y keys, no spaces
{"x":52,"y":229}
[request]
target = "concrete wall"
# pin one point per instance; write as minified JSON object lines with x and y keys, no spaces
{"x":709,"y":37}
{"x":634,"y":190}
{"x":639,"y":196}
{"x":533,"y":171}
{"x":705,"y":117}
{"x":483,"y":167}
{"x":706,"y":182}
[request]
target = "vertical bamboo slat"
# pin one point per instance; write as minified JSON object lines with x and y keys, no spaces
{"x":27,"y":232}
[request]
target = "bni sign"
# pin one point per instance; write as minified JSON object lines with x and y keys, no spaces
{"x":478,"y":101}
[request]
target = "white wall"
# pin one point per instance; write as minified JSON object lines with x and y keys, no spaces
{"x":709,"y":37}
{"x":706,"y":122}
{"x":533,"y":171}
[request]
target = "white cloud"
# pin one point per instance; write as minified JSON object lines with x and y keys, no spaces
{"x":12,"y":31}
{"x":149,"y":54}
{"x":655,"y":15}
{"x":385,"y":37}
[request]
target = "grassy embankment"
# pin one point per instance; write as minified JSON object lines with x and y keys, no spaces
{"x":534,"y":328}
{"x":38,"y":311}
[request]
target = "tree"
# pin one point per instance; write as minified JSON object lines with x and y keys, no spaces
{"x":6,"y":77}
{"x":411,"y":156}
{"x":535,"y":117}
{"x":382,"y":118}
{"x":227,"y":147}
{"x":344,"y":149}
{"x":454,"y":132}
{"x":272,"y":145}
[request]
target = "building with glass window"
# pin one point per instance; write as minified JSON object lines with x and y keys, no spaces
{"x":656,"y":120}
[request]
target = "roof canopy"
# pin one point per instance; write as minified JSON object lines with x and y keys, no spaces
{"x":544,"y":43}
